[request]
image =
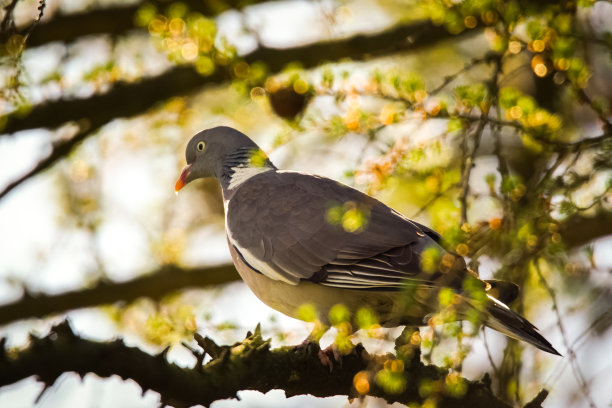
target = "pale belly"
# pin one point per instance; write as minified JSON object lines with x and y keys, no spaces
{"x":390,"y":307}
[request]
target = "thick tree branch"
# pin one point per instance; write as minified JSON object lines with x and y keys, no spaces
{"x":580,"y":229}
{"x":122,"y":100}
{"x":115,"y":21}
{"x":247,"y":365}
{"x":152,"y":285}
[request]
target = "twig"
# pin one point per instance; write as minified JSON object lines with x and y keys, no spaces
{"x":41,"y":9}
{"x":586,"y":142}
{"x":8,"y":22}
{"x":579,"y":144}
{"x":583,"y":385}
{"x":59,"y":151}
{"x":509,"y":76}
{"x":502,"y":168}
{"x":600,"y":113}
{"x":372,"y":134}
{"x":596,"y":200}
{"x":538,"y":400}
{"x":604,"y":319}
{"x":467,"y":166}
{"x":549,"y":172}
{"x":467,"y":67}
{"x":439,"y":194}
{"x":489,"y":355}
{"x":208,"y":345}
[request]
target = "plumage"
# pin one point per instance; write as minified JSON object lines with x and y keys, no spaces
{"x":300,"y":251}
{"x":296,"y":238}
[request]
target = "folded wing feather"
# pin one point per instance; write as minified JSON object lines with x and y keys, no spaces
{"x":279,"y":222}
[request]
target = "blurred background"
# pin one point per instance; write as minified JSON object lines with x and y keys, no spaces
{"x":487,"y":120}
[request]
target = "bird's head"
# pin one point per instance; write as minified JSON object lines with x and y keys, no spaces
{"x":217,"y":152}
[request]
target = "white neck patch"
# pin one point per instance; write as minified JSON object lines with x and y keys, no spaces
{"x":243,"y":173}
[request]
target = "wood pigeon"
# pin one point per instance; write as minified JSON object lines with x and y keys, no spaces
{"x":298,"y":239}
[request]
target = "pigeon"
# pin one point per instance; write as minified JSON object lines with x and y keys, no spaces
{"x":300,"y":239}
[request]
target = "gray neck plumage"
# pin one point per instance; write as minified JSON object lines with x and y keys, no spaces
{"x":241,"y":165}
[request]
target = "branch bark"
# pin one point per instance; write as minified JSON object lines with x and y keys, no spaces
{"x":115,"y":21}
{"x":152,"y":285}
{"x":247,"y":365}
{"x":580,"y":229}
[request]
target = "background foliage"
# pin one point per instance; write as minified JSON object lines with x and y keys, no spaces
{"x":487,"y":120}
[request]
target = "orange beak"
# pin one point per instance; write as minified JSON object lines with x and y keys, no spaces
{"x":182,"y":180}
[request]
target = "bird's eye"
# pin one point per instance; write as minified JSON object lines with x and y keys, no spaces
{"x":201,"y":146}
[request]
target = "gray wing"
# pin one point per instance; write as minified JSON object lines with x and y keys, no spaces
{"x":293,"y":226}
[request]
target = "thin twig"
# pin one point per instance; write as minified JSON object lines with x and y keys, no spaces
{"x":602,"y":320}
{"x":584,"y":387}
{"x":467,"y":67}
{"x":41,"y":9}
{"x":600,"y":113}
{"x":439,"y":194}
{"x":8,"y":27}
{"x":8,"y":22}
{"x":502,"y":164}
{"x":467,"y":166}
{"x":596,"y":200}
{"x":550,"y":171}
{"x":59,"y":151}
{"x":372,"y":134}
{"x":509,"y":76}
{"x":586,"y":142}
{"x":489,"y":355}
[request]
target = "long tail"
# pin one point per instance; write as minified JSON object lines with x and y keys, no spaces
{"x":501,"y":318}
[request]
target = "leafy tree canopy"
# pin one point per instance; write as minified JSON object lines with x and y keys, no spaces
{"x":489,"y":121}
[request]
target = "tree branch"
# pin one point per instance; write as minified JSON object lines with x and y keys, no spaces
{"x":577,"y":372}
{"x":122,"y":100}
{"x":247,"y":365}
{"x":152,"y":285}
{"x":115,"y":21}
{"x":580,"y":229}
{"x":7,"y":24}
{"x":468,"y":165}
{"x":59,"y":150}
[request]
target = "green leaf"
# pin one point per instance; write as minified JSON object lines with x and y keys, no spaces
{"x":508,"y":97}
{"x":567,"y":207}
{"x":339,"y":314}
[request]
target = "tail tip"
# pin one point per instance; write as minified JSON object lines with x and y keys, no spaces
{"x":540,"y":342}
